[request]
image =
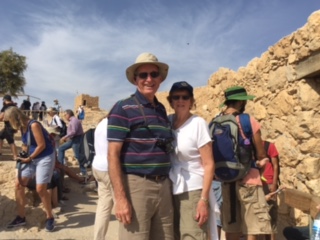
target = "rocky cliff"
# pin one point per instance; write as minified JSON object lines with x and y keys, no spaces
{"x":287,"y":104}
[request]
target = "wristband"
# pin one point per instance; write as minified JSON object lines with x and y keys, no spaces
{"x":204,"y":199}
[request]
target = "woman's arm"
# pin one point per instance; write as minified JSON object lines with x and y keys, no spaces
{"x":208,"y":165}
{"x":39,"y":138}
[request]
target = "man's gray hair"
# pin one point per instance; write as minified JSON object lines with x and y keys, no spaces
{"x":69,"y":112}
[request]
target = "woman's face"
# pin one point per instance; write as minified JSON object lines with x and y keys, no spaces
{"x":181,"y":101}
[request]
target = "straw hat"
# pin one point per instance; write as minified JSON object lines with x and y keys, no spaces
{"x":147,"y":58}
{"x":52,"y":109}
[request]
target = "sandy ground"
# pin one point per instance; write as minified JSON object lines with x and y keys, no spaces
{"x":74,"y":219}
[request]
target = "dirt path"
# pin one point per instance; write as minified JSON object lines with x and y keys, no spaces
{"x":74,"y":221}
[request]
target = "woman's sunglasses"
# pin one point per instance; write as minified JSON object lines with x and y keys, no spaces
{"x":177,"y":97}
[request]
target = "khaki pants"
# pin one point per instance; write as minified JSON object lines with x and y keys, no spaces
{"x":252,"y":211}
{"x":104,"y":206}
{"x":152,"y":211}
{"x":185,"y":225}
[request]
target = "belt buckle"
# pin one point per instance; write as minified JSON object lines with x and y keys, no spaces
{"x":157,"y":178}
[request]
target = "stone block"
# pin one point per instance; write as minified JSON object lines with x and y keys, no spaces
{"x":309,"y":67}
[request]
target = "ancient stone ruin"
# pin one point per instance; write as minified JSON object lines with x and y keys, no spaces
{"x":286,"y":83}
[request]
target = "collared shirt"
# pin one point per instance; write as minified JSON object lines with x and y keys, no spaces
{"x":140,"y":153}
{"x":74,"y":127}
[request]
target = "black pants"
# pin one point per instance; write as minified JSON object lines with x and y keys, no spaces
{"x":296,"y":233}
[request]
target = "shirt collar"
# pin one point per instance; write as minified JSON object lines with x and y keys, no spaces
{"x":143,"y":100}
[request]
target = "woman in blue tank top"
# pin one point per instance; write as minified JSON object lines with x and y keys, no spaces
{"x":39,"y":162}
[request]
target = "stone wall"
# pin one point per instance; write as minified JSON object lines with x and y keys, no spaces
{"x":287,"y":107}
{"x":87,"y":101}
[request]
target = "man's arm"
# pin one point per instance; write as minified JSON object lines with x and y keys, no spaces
{"x":262,"y":158}
{"x":122,"y":206}
{"x":1,"y":116}
{"x":275,"y":164}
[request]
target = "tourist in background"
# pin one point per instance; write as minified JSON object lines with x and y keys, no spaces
{"x":54,"y":121}
{"x":192,"y":169}
{"x":43,"y":109}
{"x":35,"y":110}
{"x":7,"y":132}
{"x":72,"y":139}
{"x":270,"y":184}
{"x":81,"y":113}
{"x":100,"y":172}
{"x":40,"y":163}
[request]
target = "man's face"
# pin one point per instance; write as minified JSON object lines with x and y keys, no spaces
{"x":148,"y":79}
{"x":66,"y":116}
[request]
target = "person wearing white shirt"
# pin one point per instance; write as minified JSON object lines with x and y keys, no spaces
{"x":100,"y":172}
{"x":192,"y":169}
{"x":55,"y":122}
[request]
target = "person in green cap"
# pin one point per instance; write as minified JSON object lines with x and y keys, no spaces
{"x":251,"y":213}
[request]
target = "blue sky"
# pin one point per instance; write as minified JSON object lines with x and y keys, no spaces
{"x":84,"y":46}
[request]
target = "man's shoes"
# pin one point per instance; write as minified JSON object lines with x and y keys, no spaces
{"x":82,"y":174}
{"x":49,"y":224}
{"x":18,"y":221}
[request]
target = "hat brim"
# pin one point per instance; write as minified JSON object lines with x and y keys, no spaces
{"x":240,"y":98}
{"x":163,"y":70}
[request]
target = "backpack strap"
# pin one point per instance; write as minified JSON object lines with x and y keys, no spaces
{"x":140,"y":108}
{"x":245,"y":123}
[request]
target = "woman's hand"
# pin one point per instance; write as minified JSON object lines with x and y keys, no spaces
{"x":202,"y":212}
{"x":24,"y":160}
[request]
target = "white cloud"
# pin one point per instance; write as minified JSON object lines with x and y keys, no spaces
{"x":69,"y":53}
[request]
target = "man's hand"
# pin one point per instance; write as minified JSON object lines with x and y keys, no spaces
{"x":123,"y":210}
{"x":273,"y":187}
{"x":262,"y":163}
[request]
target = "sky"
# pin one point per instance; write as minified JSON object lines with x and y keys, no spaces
{"x":84,"y":46}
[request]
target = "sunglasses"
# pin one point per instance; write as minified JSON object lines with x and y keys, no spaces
{"x":177,"y":97}
{"x":144,"y":75}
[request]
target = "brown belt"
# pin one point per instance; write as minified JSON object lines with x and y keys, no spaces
{"x":156,"y":178}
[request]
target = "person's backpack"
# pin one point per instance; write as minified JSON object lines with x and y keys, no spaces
{"x":63,"y":129}
{"x":233,"y":154}
{"x":86,"y":151}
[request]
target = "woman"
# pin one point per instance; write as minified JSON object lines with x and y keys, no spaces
{"x":40,"y":162}
{"x":101,"y":174}
{"x":56,"y":122}
{"x":192,"y":168}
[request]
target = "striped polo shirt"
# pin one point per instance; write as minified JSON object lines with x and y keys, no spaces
{"x":140,"y":153}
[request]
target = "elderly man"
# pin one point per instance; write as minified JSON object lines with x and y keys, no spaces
{"x":72,"y":139}
{"x":140,"y":138}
